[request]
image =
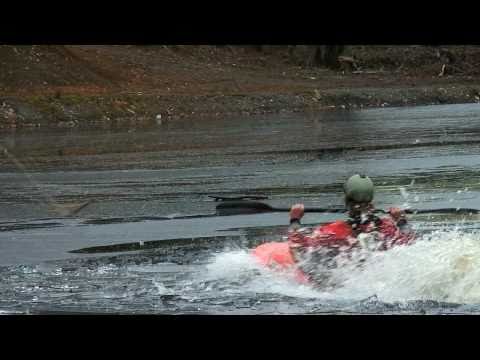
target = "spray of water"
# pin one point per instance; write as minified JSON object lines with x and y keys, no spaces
{"x":441,"y":266}
{"x":240,"y":269}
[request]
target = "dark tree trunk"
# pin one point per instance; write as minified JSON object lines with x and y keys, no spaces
{"x":317,"y":55}
{"x":258,"y":48}
{"x":327,"y":55}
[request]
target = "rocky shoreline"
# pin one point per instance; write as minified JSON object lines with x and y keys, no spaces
{"x":143,"y":110}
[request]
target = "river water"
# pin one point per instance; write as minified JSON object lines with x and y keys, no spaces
{"x":121,"y":253}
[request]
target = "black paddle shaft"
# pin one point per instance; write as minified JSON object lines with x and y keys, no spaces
{"x":465,"y":211}
{"x":254,"y":207}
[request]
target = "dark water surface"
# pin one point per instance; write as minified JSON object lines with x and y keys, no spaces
{"x":117,"y":255}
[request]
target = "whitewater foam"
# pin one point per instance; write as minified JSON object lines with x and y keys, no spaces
{"x":241,"y":269}
{"x":441,"y":266}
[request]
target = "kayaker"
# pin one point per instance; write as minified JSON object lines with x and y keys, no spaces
{"x":363,"y":228}
{"x":306,"y":248}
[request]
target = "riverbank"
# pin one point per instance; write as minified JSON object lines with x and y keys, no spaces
{"x":133,"y":86}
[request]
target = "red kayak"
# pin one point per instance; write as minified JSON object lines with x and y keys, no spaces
{"x":278,"y":255}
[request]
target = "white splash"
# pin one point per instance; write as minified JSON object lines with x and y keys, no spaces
{"x":405,"y":196}
{"x":240,"y":266}
{"x":231,"y":264}
{"x":442,"y":266}
{"x":162,"y":289}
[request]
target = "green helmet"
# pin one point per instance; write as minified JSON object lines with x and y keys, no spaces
{"x":359,"y":188}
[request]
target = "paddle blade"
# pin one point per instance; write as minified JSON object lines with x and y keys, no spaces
{"x":242,"y":208}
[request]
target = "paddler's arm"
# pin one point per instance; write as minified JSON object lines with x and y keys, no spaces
{"x":399,"y":216}
{"x":297,"y":237}
{"x":400,"y":219}
{"x":296,"y":214}
{"x":294,"y":225}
